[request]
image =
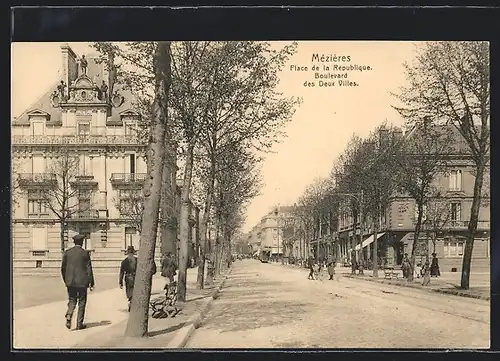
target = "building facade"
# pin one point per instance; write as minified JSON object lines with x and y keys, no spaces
{"x":80,"y":168}
{"x":445,"y":222}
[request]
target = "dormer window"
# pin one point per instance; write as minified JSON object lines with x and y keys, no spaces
{"x":38,"y":115}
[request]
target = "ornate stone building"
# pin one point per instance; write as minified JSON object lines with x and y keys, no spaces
{"x":78,"y":147}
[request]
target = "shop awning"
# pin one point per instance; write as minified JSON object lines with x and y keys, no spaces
{"x":369,"y":241}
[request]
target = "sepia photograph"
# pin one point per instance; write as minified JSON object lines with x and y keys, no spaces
{"x":250,"y":195}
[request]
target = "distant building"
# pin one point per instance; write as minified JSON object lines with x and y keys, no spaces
{"x":397,"y":222}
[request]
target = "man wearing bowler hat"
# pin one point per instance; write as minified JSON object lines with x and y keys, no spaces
{"x":76,"y":270}
{"x":127,"y":271}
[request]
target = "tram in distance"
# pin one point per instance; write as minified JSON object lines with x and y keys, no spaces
{"x":264,"y":255}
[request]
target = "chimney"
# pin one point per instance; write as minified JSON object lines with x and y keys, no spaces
{"x":69,"y":65}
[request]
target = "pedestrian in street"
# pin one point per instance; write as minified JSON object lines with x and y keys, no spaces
{"x":76,"y":271}
{"x":435,"y":266}
{"x":354,"y":264}
{"x":331,"y":267}
{"x":405,"y":266}
{"x":128,"y":268}
{"x":310,"y":264}
{"x":168,"y":268}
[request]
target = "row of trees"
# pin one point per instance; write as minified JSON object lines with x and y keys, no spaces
{"x":446,"y":108}
{"x":217,"y":102}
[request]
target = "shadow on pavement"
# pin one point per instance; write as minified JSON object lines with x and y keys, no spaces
{"x":97,"y":324}
{"x":166,"y":330}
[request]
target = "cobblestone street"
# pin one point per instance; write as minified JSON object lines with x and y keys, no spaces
{"x":272,"y":306}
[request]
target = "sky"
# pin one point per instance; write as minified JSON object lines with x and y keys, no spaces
{"x":320,"y":128}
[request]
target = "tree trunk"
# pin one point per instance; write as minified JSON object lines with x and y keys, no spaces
{"x":200,"y":278}
{"x":184,"y":225}
{"x":137,"y":325}
{"x":415,"y":241}
{"x":474,"y":216}
{"x":375,"y":249}
{"x":61,"y":234}
{"x":168,"y":231}
{"x":204,"y":234}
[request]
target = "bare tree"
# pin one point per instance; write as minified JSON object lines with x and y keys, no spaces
{"x":450,"y":81}
{"x":63,"y":198}
{"x":130,"y":204}
{"x":421,"y":157}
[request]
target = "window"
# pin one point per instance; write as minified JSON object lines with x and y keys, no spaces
{"x":37,"y":203}
{"x":84,"y":203}
{"x":84,"y":128}
{"x":130,"y":202}
{"x":39,"y":238}
{"x":132,"y":238}
{"x":453,"y":248}
{"x":38,"y":163}
{"x":87,"y":242}
{"x":85,"y":164}
{"x":130,"y":128}
{"x":455,"y":180}
{"x":455,"y":211}
{"x":424,"y":212}
{"x":132,"y":163}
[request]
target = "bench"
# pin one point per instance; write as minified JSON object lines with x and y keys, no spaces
{"x":164,"y":306}
{"x":389,"y":273}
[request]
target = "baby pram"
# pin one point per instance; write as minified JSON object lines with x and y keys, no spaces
{"x":164,"y":306}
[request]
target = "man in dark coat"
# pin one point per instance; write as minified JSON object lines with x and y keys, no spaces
{"x":128,"y":269}
{"x":310,"y":265}
{"x":76,"y":271}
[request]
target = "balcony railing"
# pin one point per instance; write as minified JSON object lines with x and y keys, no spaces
{"x":127,"y":178}
{"x":86,"y":214}
{"x":465,"y":224}
{"x":28,"y":179}
{"x":74,"y":139}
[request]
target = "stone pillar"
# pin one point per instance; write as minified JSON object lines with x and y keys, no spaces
{"x":101,"y":178}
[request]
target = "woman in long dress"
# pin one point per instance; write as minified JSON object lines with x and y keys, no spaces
{"x":435,"y":266}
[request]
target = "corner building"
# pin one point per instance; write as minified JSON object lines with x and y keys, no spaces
{"x":79,"y":115}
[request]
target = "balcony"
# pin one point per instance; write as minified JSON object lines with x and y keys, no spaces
{"x":74,"y":140}
{"x":88,"y":214}
{"x":465,"y":224}
{"x":85,"y":181}
{"x":120,"y":179}
{"x":37,"y":179}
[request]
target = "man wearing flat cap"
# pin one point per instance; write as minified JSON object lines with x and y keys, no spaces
{"x":76,"y":270}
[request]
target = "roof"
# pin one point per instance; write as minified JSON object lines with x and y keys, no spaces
{"x":457,"y":143}
{"x":95,"y":72}
{"x":42,"y":104}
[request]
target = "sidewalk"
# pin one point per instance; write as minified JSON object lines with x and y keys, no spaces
{"x":447,"y":283}
{"x":443,"y":284}
{"x":106,"y":318}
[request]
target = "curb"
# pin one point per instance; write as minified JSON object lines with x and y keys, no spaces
{"x":437,"y":290}
{"x":182,"y":336}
